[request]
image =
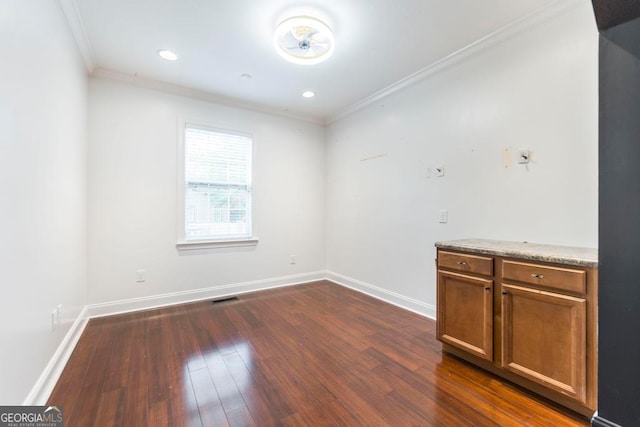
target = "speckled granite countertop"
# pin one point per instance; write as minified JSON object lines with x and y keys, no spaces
{"x":585,"y":257}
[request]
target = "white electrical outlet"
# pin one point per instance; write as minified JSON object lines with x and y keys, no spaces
{"x":292,"y":259}
{"x":506,"y":158}
{"x":443,"y":216}
{"x":140,"y":276}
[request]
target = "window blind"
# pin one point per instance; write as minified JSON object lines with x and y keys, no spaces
{"x":217,"y":184}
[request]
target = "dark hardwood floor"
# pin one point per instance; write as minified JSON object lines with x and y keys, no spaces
{"x":310,"y":355}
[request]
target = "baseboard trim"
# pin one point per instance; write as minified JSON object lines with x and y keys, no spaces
{"x":426,"y":310}
{"x":49,"y":377}
{"x":45,"y":384}
{"x":597,"y":421}
{"x":157,"y":301}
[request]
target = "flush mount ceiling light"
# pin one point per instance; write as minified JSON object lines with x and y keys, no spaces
{"x":167,"y":54}
{"x":308,"y":94}
{"x":304,"y":40}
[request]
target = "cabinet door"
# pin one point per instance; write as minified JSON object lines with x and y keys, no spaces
{"x":544,"y":338}
{"x":465,"y":313}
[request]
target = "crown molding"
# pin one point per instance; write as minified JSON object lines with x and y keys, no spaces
{"x":529,"y":21}
{"x":201,"y":95}
{"x":70,"y":10}
{"x":519,"y":26}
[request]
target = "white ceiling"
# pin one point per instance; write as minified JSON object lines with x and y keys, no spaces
{"x":378,"y":43}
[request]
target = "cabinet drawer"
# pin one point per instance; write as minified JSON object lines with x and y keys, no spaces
{"x":563,"y":279}
{"x":466,"y":263}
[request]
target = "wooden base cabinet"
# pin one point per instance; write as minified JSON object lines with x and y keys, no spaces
{"x":533,"y":323}
{"x":466,"y":313}
{"x":465,"y":303}
{"x":543,"y":339}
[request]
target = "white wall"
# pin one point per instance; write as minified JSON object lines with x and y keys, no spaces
{"x":132,"y":196}
{"x":43,"y":90}
{"x":376,"y":226}
{"x":536,"y":90}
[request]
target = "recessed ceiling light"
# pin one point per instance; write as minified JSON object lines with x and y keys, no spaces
{"x":167,"y":54}
{"x":304,"y":40}
{"x":308,"y":94}
{"x":245,"y":76}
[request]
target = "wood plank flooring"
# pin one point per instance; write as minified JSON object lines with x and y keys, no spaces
{"x":309,"y":355}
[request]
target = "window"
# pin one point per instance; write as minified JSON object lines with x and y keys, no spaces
{"x":216,"y":188}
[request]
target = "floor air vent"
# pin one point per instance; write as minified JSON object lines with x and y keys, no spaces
{"x":224,"y":299}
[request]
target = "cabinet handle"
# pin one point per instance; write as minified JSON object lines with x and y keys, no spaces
{"x":487,"y":288}
{"x":537,"y":276}
{"x":462,"y":262}
{"x":504,"y":292}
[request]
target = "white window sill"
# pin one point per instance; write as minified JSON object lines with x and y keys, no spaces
{"x":208,"y":244}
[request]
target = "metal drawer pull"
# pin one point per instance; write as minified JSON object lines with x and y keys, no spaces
{"x":487,"y":288}
{"x":537,"y":276}
{"x":462,"y":262}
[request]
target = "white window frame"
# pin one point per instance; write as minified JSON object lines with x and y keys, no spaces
{"x":182,"y":243}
